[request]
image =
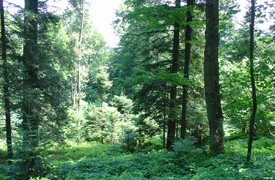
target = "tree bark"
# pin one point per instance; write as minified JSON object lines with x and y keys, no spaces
{"x":6,"y":84}
{"x":187,"y":58}
{"x":172,"y":115}
{"x":30,"y":82}
{"x":211,"y":78}
{"x":252,"y":79}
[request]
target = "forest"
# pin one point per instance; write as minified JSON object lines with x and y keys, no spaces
{"x":187,"y":93}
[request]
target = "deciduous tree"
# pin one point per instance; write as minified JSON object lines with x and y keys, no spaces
{"x":252,"y":80}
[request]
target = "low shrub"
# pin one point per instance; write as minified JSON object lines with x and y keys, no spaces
{"x":107,"y":162}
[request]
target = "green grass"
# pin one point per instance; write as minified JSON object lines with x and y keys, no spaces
{"x":108,"y":162}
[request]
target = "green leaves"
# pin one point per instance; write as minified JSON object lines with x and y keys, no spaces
{"x":156,"y":18}
{"x":159,"y":77}
{"x":99,"y":161}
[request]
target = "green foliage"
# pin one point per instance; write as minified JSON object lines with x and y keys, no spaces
{"x":124,"y":99}
{"x":183,"y":147}
{"x":3,"y":174}
{"x":231,"y":165}
{"x":187,"y":163}
{"x":141,"y":165}
{"x":123,"y":104}
{"x":76,"y":152}
{"x":29,"y":163}
{"x":142,"y":65}
{"x":149,"y":144}
{"x":235,"y":76}
{"x":236,"y":95}
{"x":99,"y":84}
{"x":108,"y":123}
{"x":100,"y":123}
{"x":160,"y":77}
{"x":156,"y":17}
{"x":129,"y":139}
{"x":100,"y":161}
{"x":238,"y":135}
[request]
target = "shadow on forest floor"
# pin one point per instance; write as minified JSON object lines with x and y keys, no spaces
{"x":98,"y":161}
{"x":113,"y":163}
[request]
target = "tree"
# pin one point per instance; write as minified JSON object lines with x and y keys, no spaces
{"x":211,"y":78}
{"x":187,"y":58}
{"x":42,"y":104}
{"x":235,"y":74}
{"x":172,"y":115}
{"x":144,"y":70}
{"x":30,"y":123}
{"x":79,"y":23}
{"x":79,"y":53}
{"x":143,"y":64}
{"x":252,"y":79}
{"x":6,"y":87}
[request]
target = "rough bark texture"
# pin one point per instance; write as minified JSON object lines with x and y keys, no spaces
{"x":211,"y":78}
{"x":6,"y":84}
{"x":173,"y":90}
{"x":187,"y":58}
{"x":252,"y":79}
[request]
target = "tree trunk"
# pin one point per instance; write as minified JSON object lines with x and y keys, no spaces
{"x":6,"y":84}
{"x":187,"y":58}
{"x":79,"y":47}
{"x":172,"y":115}
{"x":211,"y":78}
{"x":252,"y":79}
{"x":30,"y":82}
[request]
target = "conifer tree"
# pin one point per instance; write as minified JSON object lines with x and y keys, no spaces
{"x":211,"y":78}
{"x":6,"y":84}
{"x":187,"y":58}
{"x":172,"y":115}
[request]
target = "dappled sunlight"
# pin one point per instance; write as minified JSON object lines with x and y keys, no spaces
{"x":137,"y":89}
{"x":117,"y":163}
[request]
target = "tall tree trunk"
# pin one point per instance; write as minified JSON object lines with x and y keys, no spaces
{"x":252,"y":79}
{"x":30,"y":121}
{"x":211,"y":78}
{"x":187,"y":58}
{"x":81,"y":18}
{"x":172,"y":115}
{"x":6,"y":84}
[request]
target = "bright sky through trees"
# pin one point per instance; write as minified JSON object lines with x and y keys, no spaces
{"x":103,"y":13}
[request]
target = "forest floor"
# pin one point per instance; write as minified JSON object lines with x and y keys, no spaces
{"x":109,"y":162}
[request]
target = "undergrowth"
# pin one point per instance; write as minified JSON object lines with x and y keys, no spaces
{"x":108,"y":162}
